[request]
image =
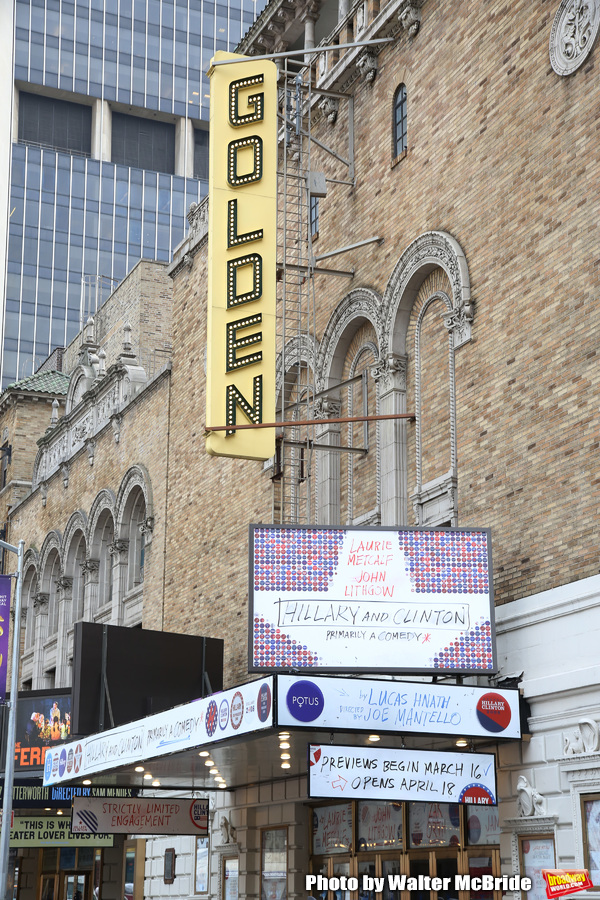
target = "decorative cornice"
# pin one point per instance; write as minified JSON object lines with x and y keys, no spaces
{"x":533,"y":825}
{"x":102,"y":404}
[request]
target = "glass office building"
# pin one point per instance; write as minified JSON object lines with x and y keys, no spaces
{"x":109,"y":118}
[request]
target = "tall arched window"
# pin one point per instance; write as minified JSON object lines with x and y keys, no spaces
{"x":51,"y":575}
{"x":75,"y":561}
{"x":105,"y":579}
{"x":399,"y":122}
{"x":135,"y":569}
{"x":28,"y":593}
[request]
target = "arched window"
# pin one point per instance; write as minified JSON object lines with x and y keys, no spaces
{"x":399,"y":122}
{"x":135,"y":568}
{"x":105,"y":580}
{"x":28,"y":593}
{"x":51,"y":575}
{"x":75,"y":561}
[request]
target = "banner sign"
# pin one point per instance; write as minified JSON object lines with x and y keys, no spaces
{"x":4,"y":623}
{"x":387,"y":774}
{"x":181,"y":815}
{"x":242,"y":243}
{"x":366,"y":600}
{"x":352,"y":704}
{"x":53,"y":831}
{"x":566,"y":881}
{"x":33,"y":795}
{"x":241,"y":710}
{"x":43,"y":721}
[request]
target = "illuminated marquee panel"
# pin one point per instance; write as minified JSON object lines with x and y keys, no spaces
{"x":371,"y":600}
{"x":242,"y":220}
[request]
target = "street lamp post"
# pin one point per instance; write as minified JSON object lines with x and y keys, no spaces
{"x":9,"y":768}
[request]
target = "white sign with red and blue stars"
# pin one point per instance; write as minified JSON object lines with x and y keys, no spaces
{"x":371,"y":600}
{"x":388,"y":774}
{"x":244,"y":709}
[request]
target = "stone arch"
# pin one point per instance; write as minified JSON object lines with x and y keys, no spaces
{"x":52,"y":541}
{"x":77,"y":522}
{"x":445,"y":299}
{"x":361,"y":304}
{"x":433,"y":249}
{"x":50,"y":571}
{"x":359,"y":307}
{"x":105,"y":501}
{"x":75,"y":546}
{"x":82,"y":379}
{"x":102,"y":528}
{"x":30,"y":588}
{"x":135,"y":521}
{"x":136,"y":476}
{"x":372,"y":517}
{"x":31,"y":558}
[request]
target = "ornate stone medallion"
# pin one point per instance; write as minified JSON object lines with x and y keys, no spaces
{"x":573,"y":34}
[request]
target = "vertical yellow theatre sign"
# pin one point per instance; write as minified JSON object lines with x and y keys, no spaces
{"x":242,"y":240}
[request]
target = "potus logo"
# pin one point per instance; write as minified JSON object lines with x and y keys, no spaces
{"x":305,"y":701}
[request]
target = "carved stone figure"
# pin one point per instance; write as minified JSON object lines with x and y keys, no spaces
{"x":529,"y":800}
{"x":584,"y":739}
{"x":330,"y":107}
{"x":367,"y":65}
{"x":409,"y":16}
{"x":228,"y":834}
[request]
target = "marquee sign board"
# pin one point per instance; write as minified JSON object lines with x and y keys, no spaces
{"x":178,"y":815}
{"x":362,"y":773}
{"x":242,"y":228}
{"x":410,"y":707}
{"x":371,"y":600}
{"x":240,"y":710}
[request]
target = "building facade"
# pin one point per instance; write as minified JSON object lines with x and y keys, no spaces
{"x":456,"y":222}
{"x":106,"y":105}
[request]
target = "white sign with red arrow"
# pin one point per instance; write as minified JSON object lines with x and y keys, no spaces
{"x":391,"y":774}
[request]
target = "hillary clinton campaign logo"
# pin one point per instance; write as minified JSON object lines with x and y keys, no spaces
{"x":493,"y":712}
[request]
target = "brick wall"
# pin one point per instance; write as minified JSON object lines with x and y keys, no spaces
{"x":144,"y":300}
{"x":501,"y":156}
{"x":211,"y":500}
